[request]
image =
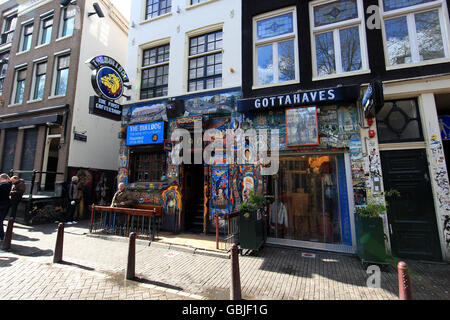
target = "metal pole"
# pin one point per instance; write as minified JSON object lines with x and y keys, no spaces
{"x":131,"y":265}
{"x":217,"y":231}
{"x":6,"y":246}
{"x":235,"y":291}
{"x":404,"y":286}
{"x":58,"y":255}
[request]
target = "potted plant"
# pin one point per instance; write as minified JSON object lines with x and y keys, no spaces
{"x":251,"y":224}
{"x":370,"y":231}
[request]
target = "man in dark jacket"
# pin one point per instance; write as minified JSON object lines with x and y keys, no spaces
{"x":16,"y":194}
{"x":5,"y":189}
{"x":72,"y":200}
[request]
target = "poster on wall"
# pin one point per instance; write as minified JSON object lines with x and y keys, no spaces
{"x":302,"y":126}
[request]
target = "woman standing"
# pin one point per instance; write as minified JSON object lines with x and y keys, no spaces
{"x":5,"y":189}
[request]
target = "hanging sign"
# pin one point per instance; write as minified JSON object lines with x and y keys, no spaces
{"x":108,"y":77}
{"x":105,"y":108}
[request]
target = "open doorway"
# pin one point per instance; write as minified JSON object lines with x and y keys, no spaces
{"x":193,"y":197}
{"x":50,"y":161}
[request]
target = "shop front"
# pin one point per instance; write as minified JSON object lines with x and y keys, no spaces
{"x":321,"y":166}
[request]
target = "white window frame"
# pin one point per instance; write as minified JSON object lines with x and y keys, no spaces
{"x":22,"y":36}
{"x":55,"y":73}
{"x":144,"y":12}
{"x":41,"y":29}
{"x":335,"y":28}
{"x":274,"y":41}
{"x":409,"y":13}
{"x":14,"y":91}
{"x":34,"y":83}
{"x":61,"y":23}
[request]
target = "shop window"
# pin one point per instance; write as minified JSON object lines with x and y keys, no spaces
{"x":205,"y":61}
{"x":155,"y":8}
{"x":309,"y":194}
{"x":414,"y":31}
{"x":338,"y":37}
{"x":399,"y":121}
{"x":155,"y":72}
{"x":28,"y":152}
{"x":275,"y":47}
{"x":9,"y":150}
{"x":147,"y":166}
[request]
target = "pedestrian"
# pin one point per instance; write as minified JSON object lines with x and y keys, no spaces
{"x":16,"y":194}
{"x":72,"y":200}
{"x":5,"y":189}
{"x":122,"y":199}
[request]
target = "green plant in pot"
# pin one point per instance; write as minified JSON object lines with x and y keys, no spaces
{"x":255,"y":201}
{"x":251,"y":225}
{"x":370,"y":231}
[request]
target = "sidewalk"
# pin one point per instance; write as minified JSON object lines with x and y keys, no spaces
{"x":176,"y":272}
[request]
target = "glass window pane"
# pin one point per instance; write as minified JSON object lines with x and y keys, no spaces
{"x":429,"y":36}
{"x":335,"y":12}
{"x":265,"y":64}
{"x":397,"y":41}
{"x":350,"y":49}
{"x":275,"y":26}
{"x":326,"y":63}
{"x":286,"y":60}
{"x":397,"y":4}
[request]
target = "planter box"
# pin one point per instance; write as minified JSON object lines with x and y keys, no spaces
{"x":370,"y":239}
{"x":251,"y":230}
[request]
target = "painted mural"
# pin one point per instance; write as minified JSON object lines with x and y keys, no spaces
{"x":220,"y":192}
{"x":219,"y":102}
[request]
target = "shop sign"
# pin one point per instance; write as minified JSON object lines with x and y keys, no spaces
{"x":168,"y":146}
{"x":108,"y":77}
{"x":146,"y":133}
{"x":105,"y":108}
{"x":300,"y":98}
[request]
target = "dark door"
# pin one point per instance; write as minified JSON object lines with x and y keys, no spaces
{"x":411,"y":216}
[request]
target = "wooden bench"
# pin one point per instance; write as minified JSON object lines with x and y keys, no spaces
{"x":151,"y":212}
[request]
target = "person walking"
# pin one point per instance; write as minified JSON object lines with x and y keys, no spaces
{"x":5,"y":189}
{"x":16,"y":194}
{"x":73,"y":200}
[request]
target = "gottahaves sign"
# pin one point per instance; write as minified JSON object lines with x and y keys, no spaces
{"x":303,"y":98}
{"x":108,"y":77}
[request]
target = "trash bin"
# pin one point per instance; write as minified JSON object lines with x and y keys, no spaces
{"x":251,"y":230}
{"x":370,"y":239}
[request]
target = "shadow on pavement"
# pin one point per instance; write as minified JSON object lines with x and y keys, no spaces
{"x":6,"y":261}
{"x":29,"y":251}
{"x":156,"y":283}
{"x":71,"y":264}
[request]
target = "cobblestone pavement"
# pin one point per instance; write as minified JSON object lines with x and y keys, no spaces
{"x":95,"y":269}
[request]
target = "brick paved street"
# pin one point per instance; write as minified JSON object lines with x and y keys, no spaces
{"x":95,"y":269}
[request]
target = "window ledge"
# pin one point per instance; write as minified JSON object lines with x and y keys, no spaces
{"x":6,"y":46}
{"x":340,"y":75}
{"x":14,"y":105}
{"x":156,"y":18}
{"x":22,"y":52}
{"x":284,"y":83}
{"x":35,"y":100}
{"x":418,"y":64}
{"x":64,"y":38}
{"x":56,"y":97}
{"x":193,"y":6}
{"x":42,"y":45}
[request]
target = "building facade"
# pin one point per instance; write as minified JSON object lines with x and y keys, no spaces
{"x":44,"y":114}
{"x":294,"y":53}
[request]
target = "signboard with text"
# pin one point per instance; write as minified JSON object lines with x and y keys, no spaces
{"x":146,"y":133}
{"x":105,"y":108}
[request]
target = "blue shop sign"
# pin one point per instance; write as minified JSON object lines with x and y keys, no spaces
{"x":146,"y":133}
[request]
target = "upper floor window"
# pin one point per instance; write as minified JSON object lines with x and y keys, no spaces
{"x":27,"y":37}
{"x":414,"y":31}
{"x":155,"y":8}
{"x":338,"y":37}
{"x":46,"y":30}
{"x":9,"y":25}
{"x":19,"y":90}
{"x":39,"y":80}
{"x":155,"y":72}
{"x":68,"y":22}
{"x":62,"y":75}
{"x":205,"y":61}
{"x":275,"y":48}
{"x":4,"y":59}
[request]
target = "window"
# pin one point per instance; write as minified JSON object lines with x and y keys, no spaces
{"x":68,"y":22}
{"x":9,"y":26}
{"x":39,"y":81}
{"x":155,"y":72}
{"x":147,"y":166}
{"x":20,"y":86}
{"x":205,"y":61}
{"x":46,"y":30}
{"x":62,"y":75}
{"x":414,"y":31}
{"x":9,"y":150}
{"x":27,"y":37}
{"x":338,"y":37}
{"x":4,"y":59}
{"x":28,"y":152}
{"x":276,"y":49}
{"x":155,"y":8}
